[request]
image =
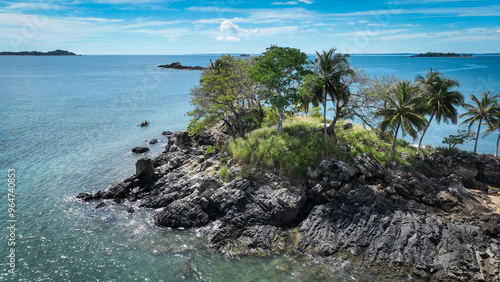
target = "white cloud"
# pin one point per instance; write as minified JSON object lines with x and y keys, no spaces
{"x":170,"y":33}
{"x":370,"y":33}
{"x":285,"y":3}
{"x":227,"y":38}
{"x":232,"y":32}
{"x":33,"y":6}
{"x":306,"y":1}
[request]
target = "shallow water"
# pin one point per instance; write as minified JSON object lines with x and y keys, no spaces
{"x":67,"y":125}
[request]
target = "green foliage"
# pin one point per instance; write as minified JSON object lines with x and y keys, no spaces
{"x":403,"y":111}
{"x":463,"y":136}
{"x":278,"y":70}
{"x":315,"y":113}
{"x":332,"y":71}
{"x":210,"y":150}
{"x":447,"y":151}
{"x":483,"y":109}
{"x":441,"y":100}
{"x":226,"y":94}
{"x":271,"y":117}
{"x":310,"y":92}
{"x":224,"y":173}
{"x":290,"y":153}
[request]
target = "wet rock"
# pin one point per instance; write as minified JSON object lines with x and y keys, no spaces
{"x":259,"y":240}
{"x":85,"y":196}
{"x":167,"y":133}
{"x":140,"y":150}
{"x":181,"y":213}
{"x":153,"y":141}
{"x":100,"y":205}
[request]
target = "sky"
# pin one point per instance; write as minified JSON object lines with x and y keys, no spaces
{"x":157,"y":27}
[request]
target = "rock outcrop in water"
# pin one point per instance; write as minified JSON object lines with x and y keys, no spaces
{"x":424,"y":222}
{"x":179,"y":66}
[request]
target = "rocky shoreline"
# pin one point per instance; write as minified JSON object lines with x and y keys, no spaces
{"x":421,"y":221}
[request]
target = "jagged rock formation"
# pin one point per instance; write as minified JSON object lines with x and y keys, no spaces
{"x":422,"y":221}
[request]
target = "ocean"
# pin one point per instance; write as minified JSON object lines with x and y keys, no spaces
{"x":68,"y":124}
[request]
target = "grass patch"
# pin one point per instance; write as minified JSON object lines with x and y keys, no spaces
{"x":301,"y":144}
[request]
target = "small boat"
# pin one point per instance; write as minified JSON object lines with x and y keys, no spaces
{"x":145,"y":123}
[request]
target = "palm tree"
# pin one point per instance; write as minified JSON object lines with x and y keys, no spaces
{"x":493,"y":123}
{"x":484,"y":110}
{"x":331,"y":68}
{"x":402,"y":111}
{"x":441,"y":101}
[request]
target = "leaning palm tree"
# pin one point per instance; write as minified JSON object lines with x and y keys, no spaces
{"x":402,"y":111}
{"x":493,"y":125}
{"x":441,"y":100}
{"x":331,"y":68}
{"x":484,"y":109}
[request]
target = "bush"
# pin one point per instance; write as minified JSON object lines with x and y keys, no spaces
{"x":271,"y":117}
{"x":315,"y":113}
{"x":210,"y":150}
{"x":225,"y":174}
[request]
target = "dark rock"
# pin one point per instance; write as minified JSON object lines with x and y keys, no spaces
{"x":97,"y":195}
{"x":153,"y":141}
{"x":401,"y":191}
{"x":130,"y":210}
{"x":179,"y":66}
{"x":85,"y":196}
{"x":140,"y":150}
{"x":167,"y":133}
{"x":211,"y":137}
{"x":144,"y":168}
{"x":182,"y":213}
{"x":390,"y":234}
{"x":259,"y":240}
{"x":100,"y":205}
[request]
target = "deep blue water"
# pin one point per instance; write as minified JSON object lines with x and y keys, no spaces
{"x":67,"y":125}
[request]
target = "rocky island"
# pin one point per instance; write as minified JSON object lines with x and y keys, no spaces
{"x":37,"y":53}
{"x":423,"y":221}
{"x":436,"y":54}
{"x":179,"y":66}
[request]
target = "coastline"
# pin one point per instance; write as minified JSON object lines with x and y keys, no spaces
{"x":362,"y":214}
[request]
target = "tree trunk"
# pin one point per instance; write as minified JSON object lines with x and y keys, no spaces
{"x":477,"y":134}
{"x":324,"y":119}
{"x":425,"y":130}
{"x":241,"y":128}
{"x":393,"y":150}
{"x":498,"y":141}
{"x":280,"y":121}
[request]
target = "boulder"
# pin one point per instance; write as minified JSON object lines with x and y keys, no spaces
{"x":153,"y":141}
{"x":144,"y":168}
{"x":85,"y":196}
{"x":140,"y":150}
{"x":182,"y":213}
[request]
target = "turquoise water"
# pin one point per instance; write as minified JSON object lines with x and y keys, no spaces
{"x":67,"y":125}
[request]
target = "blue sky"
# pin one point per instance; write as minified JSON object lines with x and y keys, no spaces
{"x":240,"y":26}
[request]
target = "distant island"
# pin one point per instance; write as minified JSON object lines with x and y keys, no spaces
{"x":37,"y":53}
{"x":179,"y":66}
{"x":436,"y":54}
